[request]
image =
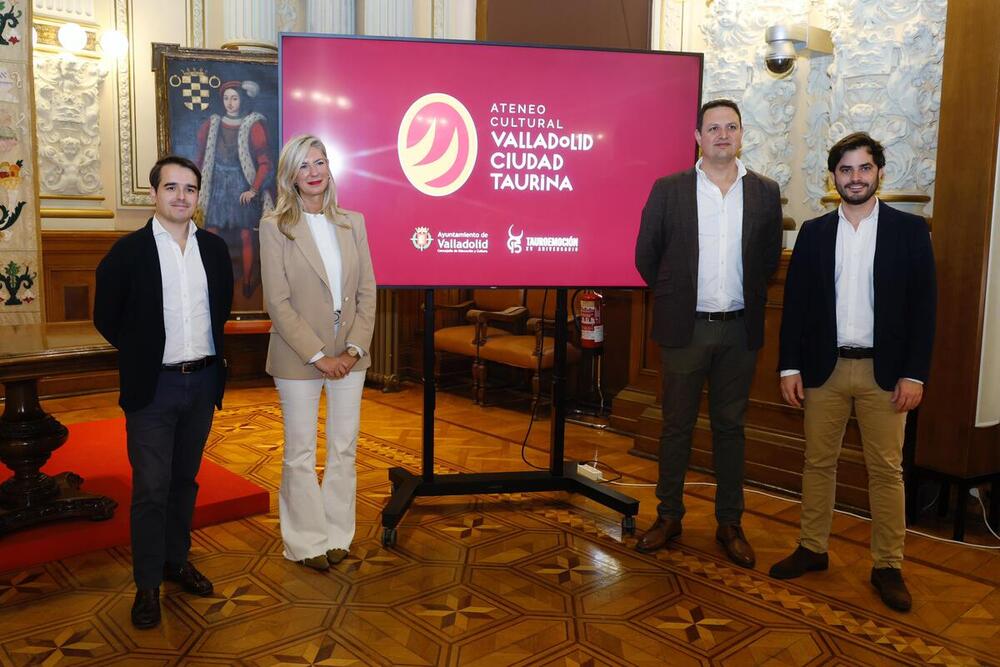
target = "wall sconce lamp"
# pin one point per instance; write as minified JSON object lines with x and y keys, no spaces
{"x":80,"y":41}
{"x":72,"y":37}
{"x":114,"y":43}
{"x":784,"y":42}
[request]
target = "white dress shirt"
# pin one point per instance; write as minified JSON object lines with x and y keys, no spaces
{"x":720,"y":243}
{"x":329,"y":249}
{"x":854,"y":280}
{"x":325,"y":238}
{"x":187,"y":319}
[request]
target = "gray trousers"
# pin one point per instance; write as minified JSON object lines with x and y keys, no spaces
{"x":165,"y":443}
{"x":717,"y":353}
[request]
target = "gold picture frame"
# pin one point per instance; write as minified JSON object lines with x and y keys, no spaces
{"x":219,"y":108}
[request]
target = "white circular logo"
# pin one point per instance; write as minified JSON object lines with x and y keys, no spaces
{"x":437,"y":144}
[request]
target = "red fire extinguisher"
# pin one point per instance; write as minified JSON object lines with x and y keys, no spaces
{"x":591,"y":325}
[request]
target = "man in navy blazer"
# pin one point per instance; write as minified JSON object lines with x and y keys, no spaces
{"x":856,"y":333}
{"x":163,"y":296}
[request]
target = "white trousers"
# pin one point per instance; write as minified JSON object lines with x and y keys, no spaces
{"x":317,"y":517}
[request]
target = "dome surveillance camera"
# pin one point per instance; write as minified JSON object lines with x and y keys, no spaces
{"x":785,"y":42}
{"x":780,"y":57}
{"x":781,"y":48}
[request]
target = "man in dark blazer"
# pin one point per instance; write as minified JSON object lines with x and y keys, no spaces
{"x":857,"y":332}
{"x":163,"y":296}
{"x":709,"y":240}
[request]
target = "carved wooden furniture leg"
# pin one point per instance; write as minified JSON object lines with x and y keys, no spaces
{"x":28,"y":436}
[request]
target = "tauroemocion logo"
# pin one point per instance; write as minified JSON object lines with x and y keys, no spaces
{"x":437,"y":144}
{"x":514,"y":240}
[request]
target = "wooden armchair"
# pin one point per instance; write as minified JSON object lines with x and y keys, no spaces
{"x":464,"y":337}
{"x":531,"y":348}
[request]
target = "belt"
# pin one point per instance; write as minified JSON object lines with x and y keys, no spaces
{"x":336,"y":317}
{"x":856,"y":352}
{"x":720,"y":316}
{"x":188,"y":367}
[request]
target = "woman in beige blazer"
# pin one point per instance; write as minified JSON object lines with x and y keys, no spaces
{"x":319,"y":289}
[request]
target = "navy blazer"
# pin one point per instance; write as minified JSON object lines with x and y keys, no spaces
{"x":905,"y":300}
{"x":128,"y":309}
{"x":666,"y":253}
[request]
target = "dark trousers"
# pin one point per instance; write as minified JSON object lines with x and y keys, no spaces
{"x":165,"y":442}
{"x":717,"y":352}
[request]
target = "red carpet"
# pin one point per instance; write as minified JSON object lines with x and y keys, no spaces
{"x":96,"y":452}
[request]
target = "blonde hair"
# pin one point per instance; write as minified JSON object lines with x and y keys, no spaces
{"x":288,"y":209}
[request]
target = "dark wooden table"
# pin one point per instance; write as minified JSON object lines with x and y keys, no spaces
{"x":28,"y":435}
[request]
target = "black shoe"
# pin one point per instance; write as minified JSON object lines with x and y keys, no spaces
{"x":888,"y":581}
{"x":189,"y":578}
{"x":146,"y":608}
{"x":801,"y":561}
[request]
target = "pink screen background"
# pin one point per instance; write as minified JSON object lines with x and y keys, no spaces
{"x":640,"y":107}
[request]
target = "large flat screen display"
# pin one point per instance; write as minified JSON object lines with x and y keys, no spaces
{"x":482,"y":164}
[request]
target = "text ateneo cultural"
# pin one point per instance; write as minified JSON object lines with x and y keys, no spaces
{"x":531,"y":148}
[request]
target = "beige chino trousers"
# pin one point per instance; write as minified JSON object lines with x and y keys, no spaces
{"x":827,"y":409}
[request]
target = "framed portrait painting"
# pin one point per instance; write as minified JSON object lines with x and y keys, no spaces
{"x":220,"y":109}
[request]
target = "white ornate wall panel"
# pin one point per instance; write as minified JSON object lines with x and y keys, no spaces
{"x":287,"y":15}
{"x":886,"y":80}
{"x":68,"y":125}
{"x":70,"y":10}
{"x":196,"y":23}
{"x":144,"y":22}
{"x":816,"y":137}
{"x":734,"y":68}
{"x":668,"y":24}
{"x":884,"y":77}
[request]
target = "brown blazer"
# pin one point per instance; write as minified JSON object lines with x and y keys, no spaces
{"x":666,"y":253}
{"x":298,"y":299}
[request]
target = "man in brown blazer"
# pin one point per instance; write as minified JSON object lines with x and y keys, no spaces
{"x":709,"y":240}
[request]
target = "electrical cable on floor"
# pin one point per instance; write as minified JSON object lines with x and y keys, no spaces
{"x":536,"y":398}
{"x":978,"y":497}
{"x":845,"y":512}
{"x":933,"y":500}
{"x":524,"y":443}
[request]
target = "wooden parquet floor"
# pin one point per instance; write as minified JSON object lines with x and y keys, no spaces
{"x":520,"y":579}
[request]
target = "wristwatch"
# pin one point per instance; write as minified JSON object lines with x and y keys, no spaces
{"x":353,"y":352}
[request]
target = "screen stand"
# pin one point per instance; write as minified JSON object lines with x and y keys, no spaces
{"x":561,"y":475}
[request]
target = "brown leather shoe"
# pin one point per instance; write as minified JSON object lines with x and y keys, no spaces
{"x":801,"y":561}
{"x":334,"y":556}
{"x":888,"y":581}
{"x":662,"y":531}
{"x":736,"y":545}
{"x":319,"y":562}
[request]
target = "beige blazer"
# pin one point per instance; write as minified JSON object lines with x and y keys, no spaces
{"x":298,"y":299}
